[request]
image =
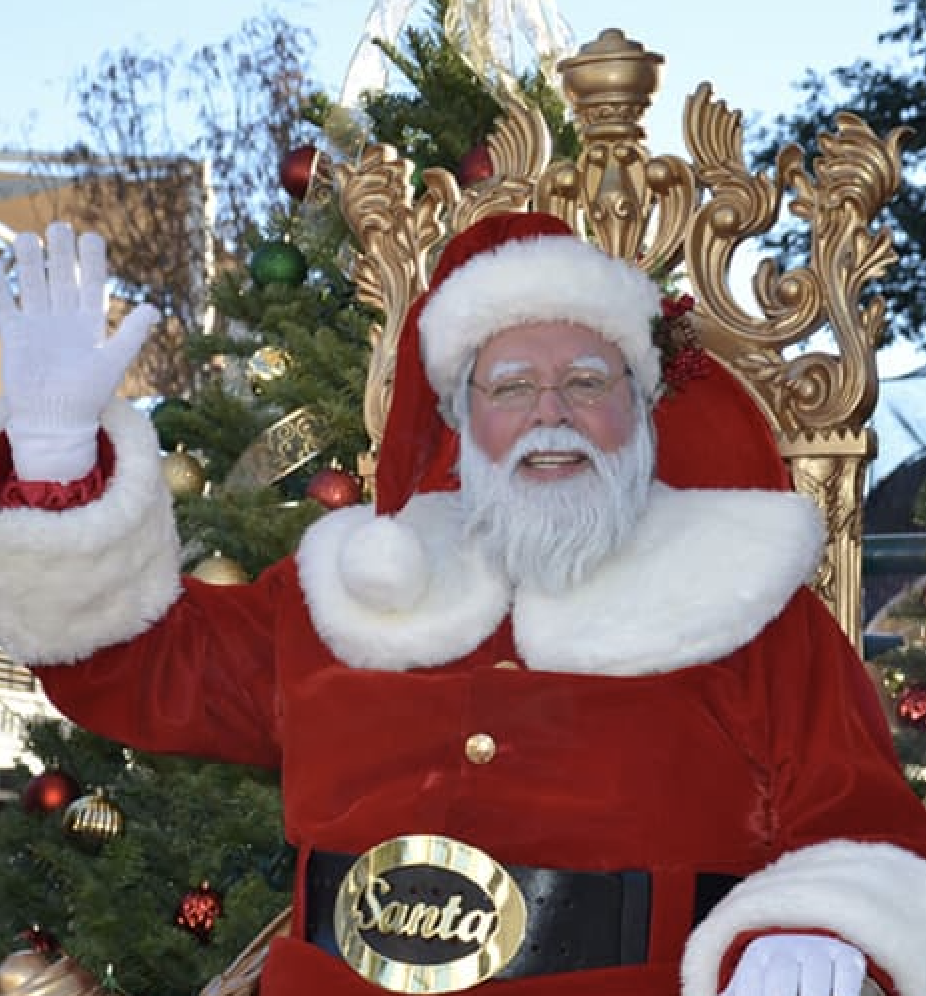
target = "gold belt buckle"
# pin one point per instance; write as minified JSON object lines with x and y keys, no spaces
{"x":428,"y":914}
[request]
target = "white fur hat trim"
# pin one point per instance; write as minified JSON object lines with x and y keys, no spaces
{"x":543,"y":278}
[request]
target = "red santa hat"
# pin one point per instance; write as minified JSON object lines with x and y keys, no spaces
{"x":529,"y":266}
{"x":510,"y":269}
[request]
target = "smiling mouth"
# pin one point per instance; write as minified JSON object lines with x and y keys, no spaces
{"x":540,"y":460}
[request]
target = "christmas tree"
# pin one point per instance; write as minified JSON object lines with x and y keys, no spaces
{"x":150,"y":869}
{"x":273,"y":435}
{"x":902,"y":674}
{"x":184,"y":862}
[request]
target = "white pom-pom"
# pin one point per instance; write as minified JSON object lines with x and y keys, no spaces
{"x":383,"y":565}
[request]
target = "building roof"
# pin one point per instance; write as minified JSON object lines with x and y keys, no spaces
{"x":900,"y":422}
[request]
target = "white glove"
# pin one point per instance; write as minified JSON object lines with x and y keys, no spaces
{"x":798,"y":965}
{"x":58,"y":367}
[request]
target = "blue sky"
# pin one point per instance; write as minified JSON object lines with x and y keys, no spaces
{"x":751,"y":59}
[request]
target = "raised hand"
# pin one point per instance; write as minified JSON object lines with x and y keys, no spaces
{"x":59,"y":369}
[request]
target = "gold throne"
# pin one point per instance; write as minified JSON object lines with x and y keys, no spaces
{"x":692,"y":214}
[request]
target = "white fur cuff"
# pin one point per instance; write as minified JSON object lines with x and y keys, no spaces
{"x":871,"y":895}
{"x":73,"y":582}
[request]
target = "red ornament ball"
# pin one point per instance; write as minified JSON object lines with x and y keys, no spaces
{"x":334,"y":488}
{"x":198,"y":910}
{"x":41,"y":940}
{"x":297,"y":170}
{"x":911,"y":706}
{"x":475,"y":166}
{"x":49,"y":792}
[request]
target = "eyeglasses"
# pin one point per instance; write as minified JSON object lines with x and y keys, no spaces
{"x":576,"y":389}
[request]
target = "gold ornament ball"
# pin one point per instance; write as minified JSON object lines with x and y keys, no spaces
{"x":94,"y":817}
{"x":219,"y":569}
{"x":184,"y":474}
{"x":26,"y":973}
{"x":267,"y":364}
{"x":19,"y":967}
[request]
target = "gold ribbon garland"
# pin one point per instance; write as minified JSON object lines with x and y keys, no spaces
{"x":279,"y":450}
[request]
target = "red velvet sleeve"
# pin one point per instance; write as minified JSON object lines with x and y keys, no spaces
{"x":200,"y":682}
{"x":836,"y":774}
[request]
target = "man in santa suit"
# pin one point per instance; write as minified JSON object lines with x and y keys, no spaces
{"x":548,"y":721}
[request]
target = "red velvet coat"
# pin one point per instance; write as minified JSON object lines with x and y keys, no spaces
{"x":591,"y":772}
{"x":770,"y":761}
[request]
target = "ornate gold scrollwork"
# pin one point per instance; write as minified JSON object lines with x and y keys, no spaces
{"x":818,"y":400}
{"x":665,"y":211}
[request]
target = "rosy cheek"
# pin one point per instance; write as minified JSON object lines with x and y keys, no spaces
{"x":498,"y":444}
{"x":611,"y":431}
{"x":488,"y":433}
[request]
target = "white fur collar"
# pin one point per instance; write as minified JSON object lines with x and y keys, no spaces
{"x":704,"y":572}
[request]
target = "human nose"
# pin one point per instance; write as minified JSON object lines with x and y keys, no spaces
{"x":551,"y":406}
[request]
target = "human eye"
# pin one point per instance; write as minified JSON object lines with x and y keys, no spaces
{"x":511,"y":391}
{"x":585,"y":385}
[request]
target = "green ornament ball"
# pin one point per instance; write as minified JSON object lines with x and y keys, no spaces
{"x":278,"y":263}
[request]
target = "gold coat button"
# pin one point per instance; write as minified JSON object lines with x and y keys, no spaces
{"x":507,"y":665}
{"x":480,"y":748}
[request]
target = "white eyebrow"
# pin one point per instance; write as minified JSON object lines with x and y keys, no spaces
{"x":591,"y":363}
{"x":512,"y":368}
{"x":508,"y":368}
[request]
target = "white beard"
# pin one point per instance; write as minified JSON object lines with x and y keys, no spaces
{"x":552,"y":534}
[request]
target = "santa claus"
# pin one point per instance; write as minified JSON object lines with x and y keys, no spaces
{"x":558,"y":715}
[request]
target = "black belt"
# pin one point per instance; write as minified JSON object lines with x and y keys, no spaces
{"x":576,"y":920}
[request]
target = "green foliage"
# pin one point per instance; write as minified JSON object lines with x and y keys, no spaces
{"x":254,"y":527}
{"x":322,"y":330}
{"x":319,"y":325}
{"x":113,"y":905}
{"x":446,"y":109}
{"x":901,"y":670}
{"x":888,"y":94}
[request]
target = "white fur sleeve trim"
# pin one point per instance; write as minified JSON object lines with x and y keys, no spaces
{"x":872,"y":895}
{"x":75,"y":581}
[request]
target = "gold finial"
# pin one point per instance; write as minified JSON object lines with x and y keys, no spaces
{"x":610,"y":83}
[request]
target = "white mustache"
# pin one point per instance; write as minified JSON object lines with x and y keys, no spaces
{"x":547,"y":439}
{"x":550,"y":534}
